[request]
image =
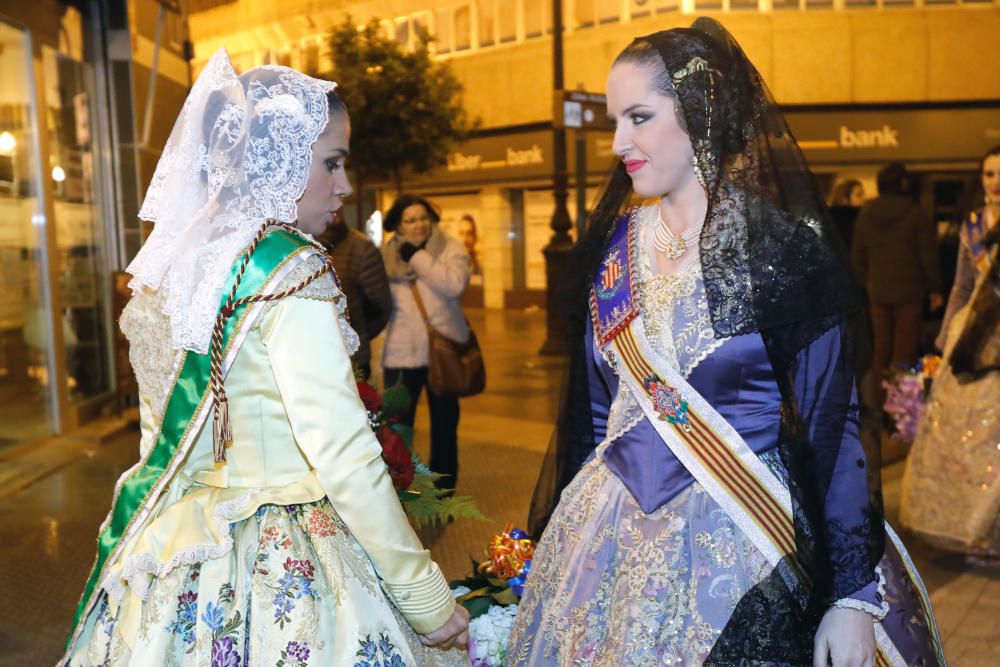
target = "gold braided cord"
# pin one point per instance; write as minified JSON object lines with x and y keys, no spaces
{"x":222,"y":436}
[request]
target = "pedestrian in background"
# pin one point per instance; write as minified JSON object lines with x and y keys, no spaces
{"x":428,"y":273}
{"x":846,"y":201}
{"x":895,"y":256}
{"x":469,"y":236}
{"x":951,"y":494}
{"x":362,"y":277}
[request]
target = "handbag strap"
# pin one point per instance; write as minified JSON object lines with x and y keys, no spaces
{"x":423,"y":311}
{"x":420,"y":303}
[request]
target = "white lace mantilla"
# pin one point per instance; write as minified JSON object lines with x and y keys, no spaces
{"x":238,"y":155}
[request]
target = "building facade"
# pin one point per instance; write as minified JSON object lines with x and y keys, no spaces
{"x":863,"y":81}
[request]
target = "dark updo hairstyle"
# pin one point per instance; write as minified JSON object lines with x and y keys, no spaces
{"x":403,"y":202}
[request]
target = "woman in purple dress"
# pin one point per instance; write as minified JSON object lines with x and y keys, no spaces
{"x":725,"y":512}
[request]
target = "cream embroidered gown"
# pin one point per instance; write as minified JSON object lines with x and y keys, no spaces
{"x":295,"y":551}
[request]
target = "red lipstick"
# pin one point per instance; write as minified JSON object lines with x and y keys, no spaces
{"x":634,"y":165}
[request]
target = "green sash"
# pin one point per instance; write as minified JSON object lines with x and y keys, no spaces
{"x":187,"y":400}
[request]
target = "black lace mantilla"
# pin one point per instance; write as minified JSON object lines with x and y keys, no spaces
{"x":771,"y":264}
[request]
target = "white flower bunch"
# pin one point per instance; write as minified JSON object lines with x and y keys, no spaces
{"x":489,"y":635}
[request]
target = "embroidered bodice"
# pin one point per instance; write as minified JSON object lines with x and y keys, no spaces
{"x":673,"y":308}
{"x":147,"y":327}
{"x":675,"y":315}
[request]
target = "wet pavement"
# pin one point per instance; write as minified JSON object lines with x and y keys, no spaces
{"x":48,"y":529}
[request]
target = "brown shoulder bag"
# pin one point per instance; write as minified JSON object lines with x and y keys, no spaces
{"x":453,"y":369}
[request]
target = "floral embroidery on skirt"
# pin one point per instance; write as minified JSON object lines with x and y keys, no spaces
{"x":296,"y":590}
{"x":612,"y":585}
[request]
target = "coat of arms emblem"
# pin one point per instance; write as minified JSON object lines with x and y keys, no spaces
{"x":612,"y":274}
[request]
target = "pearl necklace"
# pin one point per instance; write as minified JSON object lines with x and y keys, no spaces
{"x":671,"y":245}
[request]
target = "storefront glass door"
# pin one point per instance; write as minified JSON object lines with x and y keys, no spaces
{"x":26,"y":398}
{"x":80,"y":233}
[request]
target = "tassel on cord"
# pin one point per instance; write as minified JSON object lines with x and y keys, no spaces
{"x":222,"y":432}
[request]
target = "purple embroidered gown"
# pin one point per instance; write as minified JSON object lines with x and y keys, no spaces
{"x":639,"y":565}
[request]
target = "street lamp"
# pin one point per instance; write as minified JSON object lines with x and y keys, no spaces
{"x":557,"y":251}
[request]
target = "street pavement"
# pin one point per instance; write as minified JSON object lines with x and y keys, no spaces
{"x":48,"y":528}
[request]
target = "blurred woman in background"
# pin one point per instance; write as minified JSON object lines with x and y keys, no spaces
{"x":428,"y":273}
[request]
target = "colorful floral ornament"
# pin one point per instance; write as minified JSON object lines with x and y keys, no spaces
{"x":667,"y":402}
{"x":508,"y":554}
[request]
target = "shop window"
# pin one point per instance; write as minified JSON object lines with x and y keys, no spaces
{"x":608,"y":11}
{"x":584,"y":14}
{"x":640,"y":8}
{"x":420,"y":21}
{"x":507,"y":20}
{"x":80,"y":233}
{"x":463,"y":28}
{"x":487,"y":18}
{"x":442,"y":31}
{"x":403,"y":31}
{"x":535,"y":18}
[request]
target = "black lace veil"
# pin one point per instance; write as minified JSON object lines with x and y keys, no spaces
{"x":771,"y":263}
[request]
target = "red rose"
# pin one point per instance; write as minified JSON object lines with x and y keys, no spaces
{"x":397,"y":457}
{"x":370,"y":397}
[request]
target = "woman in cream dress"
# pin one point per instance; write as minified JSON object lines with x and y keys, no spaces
{"x":260,"y":525}
{"x":951,"y":490}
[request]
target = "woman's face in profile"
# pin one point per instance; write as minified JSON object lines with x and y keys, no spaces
{"x":648,"y":137}
{"x":327,"y":184}
{"x":467,"y":234}
{"x":857,"y":197}
{"x":991,"y":179}
{"x":415,"y":224}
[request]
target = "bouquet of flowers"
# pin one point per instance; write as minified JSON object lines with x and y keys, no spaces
{"x":492,"y":595}
{"x":415,"y":483}
{"x":906,"y":394}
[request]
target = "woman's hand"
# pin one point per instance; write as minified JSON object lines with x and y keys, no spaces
{"x":845,"y":638}
{"x":455,"y":632}
{"x":408,"y":250}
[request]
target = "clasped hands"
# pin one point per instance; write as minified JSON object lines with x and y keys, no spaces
{"x":455,"y":632}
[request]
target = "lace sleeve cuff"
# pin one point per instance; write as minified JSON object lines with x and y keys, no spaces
{"x":870,"y":599}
